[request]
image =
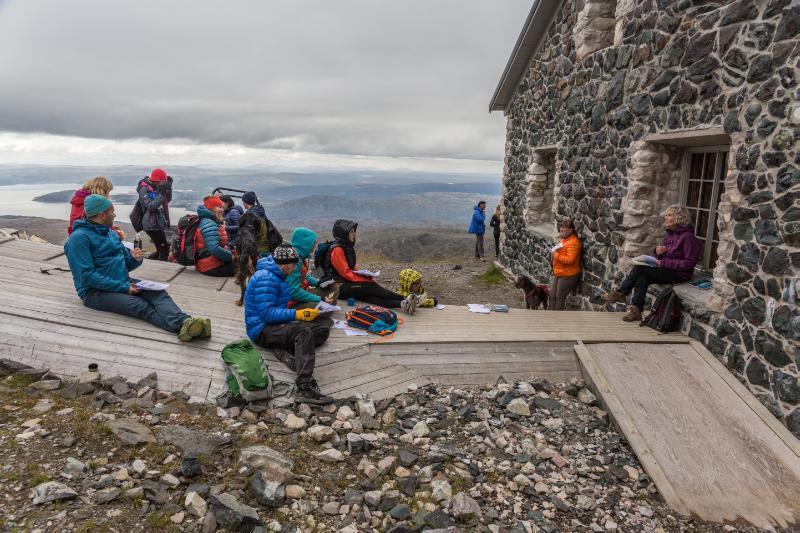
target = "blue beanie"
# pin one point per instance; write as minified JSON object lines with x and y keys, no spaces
{"x":249,"y":198}
{"x":94,"y":204}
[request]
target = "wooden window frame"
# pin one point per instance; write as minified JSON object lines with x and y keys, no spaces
{"x":722,"y":152}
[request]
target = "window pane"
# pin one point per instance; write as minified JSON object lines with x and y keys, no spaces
{"x":702,"y":252}
{"x":709,"y":166}
{"x":696,"y":170}
{"x":716,"y":228}
{"x":702,"y":223}
{"x":705,"y":197}
{"x":693,"y":195}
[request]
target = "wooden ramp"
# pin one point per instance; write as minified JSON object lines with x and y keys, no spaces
{"x":710,"y":446}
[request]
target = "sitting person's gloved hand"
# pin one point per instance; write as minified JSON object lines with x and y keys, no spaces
{"x":306,"y":315}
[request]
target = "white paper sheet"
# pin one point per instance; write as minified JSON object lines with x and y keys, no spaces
{"x":128,"y":245}
{"x":439,"y":307}
{"x":354,"y":332}
{"x":147,"y":285}
{"x":645,"y":260}
{"x":367,"y":273}
{"x":479,"y":308}
{"x":325,"y":307}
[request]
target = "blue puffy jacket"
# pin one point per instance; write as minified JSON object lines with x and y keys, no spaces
{"x":477,"y":224}
{"x":232,"y":217}
{"x":303,"y":241}
{"x":98,"y":259}
{"x":266,"y":297}
{"x":209,"y":227}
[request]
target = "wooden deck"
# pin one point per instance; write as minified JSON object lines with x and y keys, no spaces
{"x":709,"y":445}
{"x":45,"y":324}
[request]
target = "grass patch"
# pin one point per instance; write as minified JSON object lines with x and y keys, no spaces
{"x":18,"y":381}
{"x":492,"y":276}
{"x":160,"y":522}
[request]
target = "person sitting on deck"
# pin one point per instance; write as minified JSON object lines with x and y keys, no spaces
{"x":411,"y":283}
{"x":231,"y":217}
{"x":676,"y":258}
{"x":341,"y":262}
{"x":211,"y":241}
{"x":100,"y":265}
{"x":294,"y":334}
{"x":305,"y":289}
{"x":268,"y":235}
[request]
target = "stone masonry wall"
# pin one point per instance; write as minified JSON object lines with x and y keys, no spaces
{"x":673,"y":65}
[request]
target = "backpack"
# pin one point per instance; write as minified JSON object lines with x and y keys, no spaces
{"x":322,"y":262}
{"x":665,"y":315}
{"x":373,"y":318}
{"x":184,"y":249}
{"x":246,"y":372}
{"x":137,"y":216}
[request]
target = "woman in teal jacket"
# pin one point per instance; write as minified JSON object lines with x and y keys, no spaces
{"x":303,"y":286}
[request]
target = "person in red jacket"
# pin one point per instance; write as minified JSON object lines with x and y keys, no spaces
{"x":355,"y":285}
{"x":99,"y":185}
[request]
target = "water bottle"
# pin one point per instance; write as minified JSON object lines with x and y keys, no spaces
{"x":137,"y":241}
{"x":351,"y":301}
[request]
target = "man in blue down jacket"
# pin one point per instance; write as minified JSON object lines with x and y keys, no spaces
{"x":292,"y":334}
{"x":100,"y":264}
{"x":477,"y":225}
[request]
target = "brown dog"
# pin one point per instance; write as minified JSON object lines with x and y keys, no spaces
{"x":535,"y":295}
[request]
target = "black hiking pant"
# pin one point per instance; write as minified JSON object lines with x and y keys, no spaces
{"x":224,"y":270}
{"x":497,"y":244}
{"x":300,"y":340}
{"x":641,"y":277}
{"x":159,"y":239}
{"x":479,"y":253}
{"x":371,"y":293}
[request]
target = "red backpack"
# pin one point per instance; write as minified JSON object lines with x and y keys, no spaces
{"x":184,"y":248}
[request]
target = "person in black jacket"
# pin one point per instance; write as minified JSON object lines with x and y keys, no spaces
{"x":497,"y":219}
{"x":268,"y":235}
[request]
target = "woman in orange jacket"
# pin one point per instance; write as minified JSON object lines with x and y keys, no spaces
{"x":566,"y":265}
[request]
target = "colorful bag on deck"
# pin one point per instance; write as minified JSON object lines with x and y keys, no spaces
{"x":184,"y":247}
{"x":373,"y":318}
{"x":247,"y":374}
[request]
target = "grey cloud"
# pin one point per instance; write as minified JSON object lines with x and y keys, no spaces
{"x":409,"y":78}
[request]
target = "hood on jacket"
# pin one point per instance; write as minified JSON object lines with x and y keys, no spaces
{"x":204,"y":212}
{"x":87,"y":225}
{"x":408,"y":277}
{"x":303,"y":240}
{"x":341,"y":230}
{"x":258,"y":210}
{"x":268,"y":263}
{"x":680,"y":229}
{"x":235,"y":208}
{"x":476,"y":207}
{"x":79,"y":196}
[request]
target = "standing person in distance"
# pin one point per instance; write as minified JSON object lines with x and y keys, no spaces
{"x":566,"y":265}
{"x":497,"y":219}
{"x":477,"y":226}
{"x":155,"y":194}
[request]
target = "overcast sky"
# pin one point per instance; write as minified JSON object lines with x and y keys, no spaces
{"x":326,"y":82}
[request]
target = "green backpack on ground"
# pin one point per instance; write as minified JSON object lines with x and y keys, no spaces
{"x":247,"y":375}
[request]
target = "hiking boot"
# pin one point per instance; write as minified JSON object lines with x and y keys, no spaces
{"x":309,"y":393}
{"x":614,"y":297}
{"x":206,"y":327}
{"x":409,"y":304}
{"x":633,"y":314}
{"x":191,"y":328}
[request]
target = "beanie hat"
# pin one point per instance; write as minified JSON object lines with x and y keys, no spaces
{"x":249,"y":198}
{"x":213,"y":202}
{"x":158,"y":175}
{"x":284,"y":254}
{"x":94,"y":204}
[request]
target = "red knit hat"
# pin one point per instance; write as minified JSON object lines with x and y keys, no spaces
{"x":213,"y":202}
{"x":158,"y":175}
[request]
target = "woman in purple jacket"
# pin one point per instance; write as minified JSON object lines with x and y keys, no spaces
{"x":676,"y":258}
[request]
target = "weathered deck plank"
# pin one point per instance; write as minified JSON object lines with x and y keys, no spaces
{"x":710,"y":453}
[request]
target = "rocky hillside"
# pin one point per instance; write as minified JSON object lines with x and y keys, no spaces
{"x":110,"y":455}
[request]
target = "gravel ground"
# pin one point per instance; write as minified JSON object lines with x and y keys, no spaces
{"x":514,"y":457}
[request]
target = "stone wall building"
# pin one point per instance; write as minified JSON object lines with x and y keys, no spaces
{"x":617,"y":109}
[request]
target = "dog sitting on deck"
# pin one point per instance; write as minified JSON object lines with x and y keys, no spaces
{"x":248,"y":251}
{"x":535,"y":295}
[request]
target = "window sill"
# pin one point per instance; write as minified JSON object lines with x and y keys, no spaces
{"x":690,"y":295}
